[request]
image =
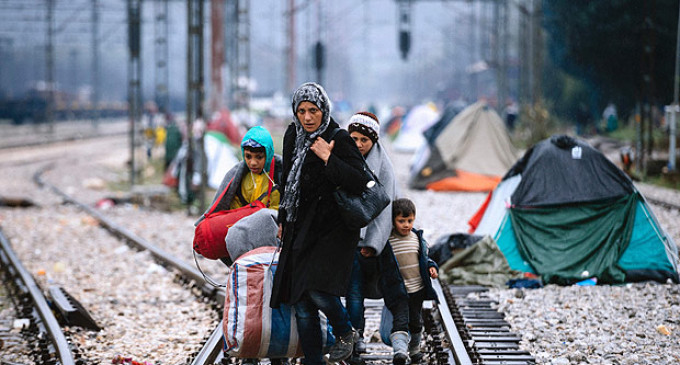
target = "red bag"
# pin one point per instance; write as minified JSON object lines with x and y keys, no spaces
{"x":210,"y":232}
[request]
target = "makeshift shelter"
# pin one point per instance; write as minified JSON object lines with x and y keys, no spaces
{"x":223,"y":122}
{"x":219,"y":153}
{"x":567,"y":213}
{"x":416,"y":121}
{"x":393,"y":125}
{"x":467,"y":151}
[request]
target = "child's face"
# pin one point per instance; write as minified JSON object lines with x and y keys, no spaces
{"x":404,"y":224}
{"x":254,"y":160}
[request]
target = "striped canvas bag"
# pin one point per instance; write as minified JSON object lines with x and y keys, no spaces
{"x":251,"y":328}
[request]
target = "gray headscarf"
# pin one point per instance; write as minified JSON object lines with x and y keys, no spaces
{"x":315,"y":94}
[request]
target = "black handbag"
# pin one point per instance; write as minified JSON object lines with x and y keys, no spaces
{"x":359,"y":210}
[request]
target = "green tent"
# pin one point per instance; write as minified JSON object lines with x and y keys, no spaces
{"x":565,"y":212}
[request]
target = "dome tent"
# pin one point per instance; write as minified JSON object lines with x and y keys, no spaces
{"x":416,"y":121}
{"x":567,"y":213}
{"x":468,"y":151}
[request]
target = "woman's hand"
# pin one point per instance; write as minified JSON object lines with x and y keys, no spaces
{"x":433,"y":273}
{"x":278,"y":234}
{"x":322,"y":149}
{"x":367,"y":252}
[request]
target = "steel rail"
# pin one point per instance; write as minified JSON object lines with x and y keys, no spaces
{"x":663,"y":203}
{"x":211,"y":351}
{"x":61,"y":346}
{"x":459,"y":352}
{"x":159,"y":254}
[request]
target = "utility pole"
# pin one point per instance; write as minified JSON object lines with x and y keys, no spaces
{"x":216,"y":54}
{"x":647,"y":124}
{"x":474,"y":52}
{"x":6,"y":72}
{"x":537,"y":52}
{"x":243,"y":55}
{"x":195,"y":94}
{"x":291,"y":78}
{"x":524,"y":55}
{"x":238,"y":51}
{"x":319,"y":52}
{"x":231,"y":51}
{"x":675,"y":108}
{"x":49,"y":57}
{"x":95,"y":63}
{"x":73,"y":81}
{"x":134,"y":8}
{"x":500,"y":51}
{"x":161,"y":74}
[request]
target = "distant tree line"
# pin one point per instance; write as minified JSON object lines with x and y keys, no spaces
{"x":621,"y":51}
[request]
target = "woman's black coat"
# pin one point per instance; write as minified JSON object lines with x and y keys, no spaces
{"x":318,"y":248}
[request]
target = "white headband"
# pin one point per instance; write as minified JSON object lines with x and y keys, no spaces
{"x":365,"y":120}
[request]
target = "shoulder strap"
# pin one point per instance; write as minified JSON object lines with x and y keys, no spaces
{"x":214,"y":206}
{"x":333,"y":133}
{"x":271,"y":183}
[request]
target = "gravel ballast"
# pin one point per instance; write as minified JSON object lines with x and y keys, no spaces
{"x":147,"y":316}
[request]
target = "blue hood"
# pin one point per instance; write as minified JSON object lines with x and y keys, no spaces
{"x":262,"y":136}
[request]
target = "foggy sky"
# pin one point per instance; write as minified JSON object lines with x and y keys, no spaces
{"x":363,"y":62}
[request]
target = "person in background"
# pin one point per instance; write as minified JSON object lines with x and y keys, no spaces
{"x":416,"y":268}
{"x":375,"y":273}
{"x":318,"y":247}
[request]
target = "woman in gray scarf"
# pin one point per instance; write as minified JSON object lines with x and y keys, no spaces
{"x":318,"y":248}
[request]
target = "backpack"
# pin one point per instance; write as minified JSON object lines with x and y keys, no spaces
{"x":210,"y":232}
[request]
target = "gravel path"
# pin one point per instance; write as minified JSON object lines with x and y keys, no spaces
{"x":145,"y":314}
{"x":148,"y":317}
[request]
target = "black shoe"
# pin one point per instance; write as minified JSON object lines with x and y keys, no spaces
{"x":342,"y":348}
{"x":400,"y":359}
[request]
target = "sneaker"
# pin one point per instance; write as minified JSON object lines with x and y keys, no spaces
{"x":400,"y":359}
{"x":342,"y":348}
{"x":360,"y":345}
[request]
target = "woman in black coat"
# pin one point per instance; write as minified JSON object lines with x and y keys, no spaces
{"x":318,"y":248}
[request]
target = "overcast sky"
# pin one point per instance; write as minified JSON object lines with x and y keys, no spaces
{"x":363,"y":61}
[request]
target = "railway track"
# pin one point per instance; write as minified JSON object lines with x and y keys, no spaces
{"x":663,"y":203}
{"x":48,"y":343}
{"x":63,"y":131}
{"x":490,"y":344}
{"x":449,"y":337}
{"x":446,"y":341}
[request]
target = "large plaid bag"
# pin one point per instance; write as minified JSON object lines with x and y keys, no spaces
{"x":251,"y":328}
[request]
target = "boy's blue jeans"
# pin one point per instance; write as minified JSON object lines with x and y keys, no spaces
{"x":309,"y":327}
